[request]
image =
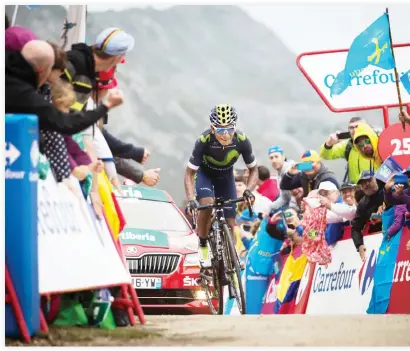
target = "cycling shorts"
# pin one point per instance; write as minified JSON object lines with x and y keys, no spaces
{"x":218,"y":185}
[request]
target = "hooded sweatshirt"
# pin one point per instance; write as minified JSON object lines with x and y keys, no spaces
{"x":356,"y":162}
{"x":80,"y":72}
{"x":365,"y":130}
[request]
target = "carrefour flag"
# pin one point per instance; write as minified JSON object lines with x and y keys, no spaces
{"x":289,"y":282}
{"x":371,"y":47}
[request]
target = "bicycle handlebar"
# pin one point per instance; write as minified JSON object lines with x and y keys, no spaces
{"x":220,"y":204}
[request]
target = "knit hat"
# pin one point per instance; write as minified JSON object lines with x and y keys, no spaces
{"x":311,"y":156}
{"x":16,"y":37}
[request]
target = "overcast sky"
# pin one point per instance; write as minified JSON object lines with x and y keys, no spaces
{"x":317,"y":27}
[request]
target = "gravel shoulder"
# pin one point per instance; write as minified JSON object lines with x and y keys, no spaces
{"x":273,"y":330}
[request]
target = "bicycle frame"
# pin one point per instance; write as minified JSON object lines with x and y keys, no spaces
{"x":225,"y":259}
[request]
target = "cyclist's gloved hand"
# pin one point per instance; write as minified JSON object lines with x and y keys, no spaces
{"x":191,"y":206}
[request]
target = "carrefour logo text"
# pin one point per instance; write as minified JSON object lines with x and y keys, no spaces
{"x":337,"y":280}
{"x":402,"y":271}
{"x":374,"y":79}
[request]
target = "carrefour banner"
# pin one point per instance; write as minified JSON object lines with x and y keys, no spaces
{"x":345,"y":286}
{"x":76,"y":249}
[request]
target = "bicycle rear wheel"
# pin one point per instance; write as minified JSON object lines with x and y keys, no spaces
{"x":234,"y":270}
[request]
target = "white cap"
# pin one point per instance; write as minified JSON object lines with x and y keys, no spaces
{"x":329,"y":186}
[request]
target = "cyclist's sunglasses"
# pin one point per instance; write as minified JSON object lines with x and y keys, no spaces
{"x":288,"y":214}
{"x":230,"y":130}
{"x":363,"y":143}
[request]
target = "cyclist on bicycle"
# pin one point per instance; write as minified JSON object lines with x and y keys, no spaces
{"x":209,"y":173}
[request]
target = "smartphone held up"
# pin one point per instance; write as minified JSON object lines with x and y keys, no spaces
{"x":304,"y":166}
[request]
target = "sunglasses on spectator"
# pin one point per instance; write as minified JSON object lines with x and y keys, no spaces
{"x":224,"y":130}
{"x":363,"y":143}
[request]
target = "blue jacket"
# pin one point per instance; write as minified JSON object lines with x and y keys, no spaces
{"x":261,"y":253}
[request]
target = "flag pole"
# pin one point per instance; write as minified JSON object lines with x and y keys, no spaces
{"x":395,"y":69}
{"x":13,"y":20}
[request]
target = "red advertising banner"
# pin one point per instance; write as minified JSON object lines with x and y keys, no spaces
{"x":400,"y":291}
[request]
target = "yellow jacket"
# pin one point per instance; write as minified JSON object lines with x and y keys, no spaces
{"x":356,"y":161}
{"x":365,"y":130}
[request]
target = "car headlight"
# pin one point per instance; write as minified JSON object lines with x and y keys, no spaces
{"x":191,"y":259}
{"x":200,"y":295}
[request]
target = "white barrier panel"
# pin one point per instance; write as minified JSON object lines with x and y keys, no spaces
{"x":345,"y":286}
{"x":76,"y":250}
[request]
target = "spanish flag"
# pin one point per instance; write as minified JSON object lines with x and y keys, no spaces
{"x":105,"y":191}
{"x":289,"y":281}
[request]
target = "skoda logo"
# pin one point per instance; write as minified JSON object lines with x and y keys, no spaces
{"x":131,"y":250}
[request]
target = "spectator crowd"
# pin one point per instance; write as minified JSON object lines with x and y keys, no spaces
{"x":295,"y":197}
{"x":72,"y":93}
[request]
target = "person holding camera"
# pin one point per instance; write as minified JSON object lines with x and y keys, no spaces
{"x":340,"y":145}
{"x":308,"y":174}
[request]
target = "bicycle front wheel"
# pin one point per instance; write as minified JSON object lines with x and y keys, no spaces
{"x":215,"y":294}
{"x":234,"y":270}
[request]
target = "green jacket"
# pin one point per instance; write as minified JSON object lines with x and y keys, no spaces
{"x":356,"y":162}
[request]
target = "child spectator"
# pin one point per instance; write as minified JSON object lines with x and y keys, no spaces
{"x":80,"y":163}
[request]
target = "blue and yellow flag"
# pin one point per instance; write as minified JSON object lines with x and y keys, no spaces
{"x":386,"y":262}
{"x":371,"y":47}
{"x":405,"y":80}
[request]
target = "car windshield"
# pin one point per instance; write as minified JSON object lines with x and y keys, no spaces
{"x":154,"y":215}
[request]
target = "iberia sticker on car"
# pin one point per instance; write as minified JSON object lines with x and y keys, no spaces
{"x":144,"y":237}
{"x":347,"y":279}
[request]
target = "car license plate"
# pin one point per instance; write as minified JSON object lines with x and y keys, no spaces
{"x":147,"y":282}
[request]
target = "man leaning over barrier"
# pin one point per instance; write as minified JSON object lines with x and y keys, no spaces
{"x":28,"y":70}
{"x":373,"y":198}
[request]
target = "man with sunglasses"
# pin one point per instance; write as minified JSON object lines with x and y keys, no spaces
{"x":365,"y":142}
{"x":335,"y":148}
{"x":209,"y":173}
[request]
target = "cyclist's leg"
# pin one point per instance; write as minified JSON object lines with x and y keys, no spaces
{"x":205,"y":195}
